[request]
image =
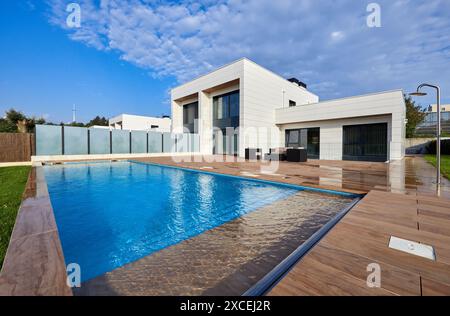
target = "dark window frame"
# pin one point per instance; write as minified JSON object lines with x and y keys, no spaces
{"x":229,"y":120}
{"x":305,"y":134}
{"x":358,"y":144}
{"x":228,"y":105}
{"x":188,"y":121}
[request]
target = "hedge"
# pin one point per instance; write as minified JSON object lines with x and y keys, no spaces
{"x":445,"y":147}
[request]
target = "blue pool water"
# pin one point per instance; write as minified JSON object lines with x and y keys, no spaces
{"x":110,"y":214}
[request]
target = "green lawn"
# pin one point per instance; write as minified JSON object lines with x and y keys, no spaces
{"x":12,"y":185}
{"x":445,"y":164}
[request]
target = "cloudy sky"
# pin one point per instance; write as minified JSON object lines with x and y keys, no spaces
{"x":126,"y":55}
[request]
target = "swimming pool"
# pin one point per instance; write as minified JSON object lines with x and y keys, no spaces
{"x":111,"y":214}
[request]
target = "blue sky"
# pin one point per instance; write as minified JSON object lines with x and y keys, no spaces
{"x":127,"y":55}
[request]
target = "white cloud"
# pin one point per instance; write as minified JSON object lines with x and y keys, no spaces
{"x":326,"y":44}
{"x":337,"y":35}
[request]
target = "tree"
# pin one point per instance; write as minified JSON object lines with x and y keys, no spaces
{"x":75,"y":124}
{"x":414,"y":116}
{"x":100,"y":121}
{"x":6,"y":126}
{"x":14,"y":116}
{"x":17,"y":122}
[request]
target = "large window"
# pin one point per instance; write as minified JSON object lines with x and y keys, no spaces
{"x":308,"y":138}
{"x":226,"y":118}
{"x":365,"y":142}
{"x":190,"y":114}
{"x":226,"y":110}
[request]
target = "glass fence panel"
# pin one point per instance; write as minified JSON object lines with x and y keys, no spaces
{"x":168,"y":142}
{"x":120,"y":142}
{"x":99,"y":141}
{"x":178,"y":142}
{"x":75,"y":140}
{"x":48,"y":140}
{"x":183,"y":143}
{"x":138,"y":142}
{"x":103,"y":141}
{"x":154,"y":142}
{"x":195,"y":143}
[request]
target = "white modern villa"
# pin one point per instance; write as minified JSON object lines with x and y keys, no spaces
{"x":243,"y":105}
{"x":141,"y":123}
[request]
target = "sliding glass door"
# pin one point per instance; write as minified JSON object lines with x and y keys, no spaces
{"x":308,"y":138}
{"x":365,"y":142}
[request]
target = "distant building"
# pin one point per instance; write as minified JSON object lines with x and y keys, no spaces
{"x":444,"y":108}
{"x":100,"y":126}
{"x":428,"y":126}
{"x":141,"y":123}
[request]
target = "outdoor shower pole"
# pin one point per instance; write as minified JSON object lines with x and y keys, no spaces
{"x":438,"y":126}
{"x":438,"y":144}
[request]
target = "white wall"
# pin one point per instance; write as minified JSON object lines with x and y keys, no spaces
{"x":195,"y":90}
{"x":140,"y":123}
{"x":331,"y":133}
{"x":262,"y":92}
{"x":388,"y":107}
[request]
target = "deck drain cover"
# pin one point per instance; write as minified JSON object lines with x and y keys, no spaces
{"x":412,"y":247}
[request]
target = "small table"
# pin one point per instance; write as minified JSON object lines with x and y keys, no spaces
{"x":296,"y":155}
{"x":253,"y":153}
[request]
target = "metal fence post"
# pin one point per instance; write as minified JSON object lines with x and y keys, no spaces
{"x":62,"y":140}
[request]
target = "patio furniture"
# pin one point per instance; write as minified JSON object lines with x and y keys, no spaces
{"x":296,"y":155}
{"x":276,"y":154}
{"x":253,"y":153}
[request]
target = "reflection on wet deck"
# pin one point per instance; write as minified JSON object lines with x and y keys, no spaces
{"x":412,"y":175}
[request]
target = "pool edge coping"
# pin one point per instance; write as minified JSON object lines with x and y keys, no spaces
{"x":37,"y":240}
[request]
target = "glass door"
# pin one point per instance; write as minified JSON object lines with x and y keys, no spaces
{"x":308,"y":138}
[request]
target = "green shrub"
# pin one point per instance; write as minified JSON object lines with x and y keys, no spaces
{"x":445,"y":147}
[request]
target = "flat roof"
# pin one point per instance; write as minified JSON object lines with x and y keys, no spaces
{"x":235,"y":62}
{"x":351,"y":97}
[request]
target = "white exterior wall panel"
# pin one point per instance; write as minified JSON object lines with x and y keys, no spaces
{"x":332,"y":115}
{"x":331,"y":133}
{"x":264,"y":92}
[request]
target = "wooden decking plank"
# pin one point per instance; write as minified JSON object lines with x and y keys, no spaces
{"x":434,"y":288}
{"x":441,"y":224}
{"x":382,"y":238}
{"x":393,"y":279}
{"x":430,"y":238}
{"x":353,"y":242}
{"x":314,"y":278}
{"x":443,"y":231}
{"x":434,"y":212}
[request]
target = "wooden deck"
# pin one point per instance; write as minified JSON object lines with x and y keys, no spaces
{"x":34,"y":262}
{"x":338,"y":264}
{"x":411,"y":176}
